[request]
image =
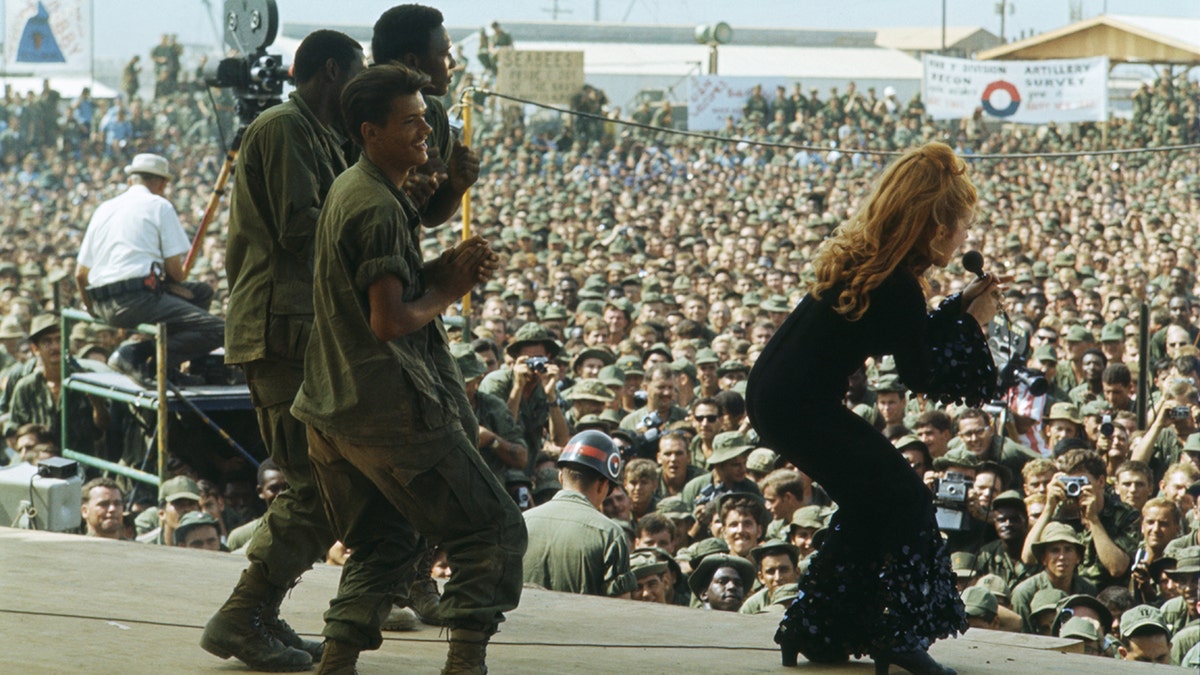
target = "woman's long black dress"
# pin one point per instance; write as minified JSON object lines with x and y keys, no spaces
{"x":882,"y":580}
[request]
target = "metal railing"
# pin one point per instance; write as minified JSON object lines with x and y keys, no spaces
{"x":159,"y":331}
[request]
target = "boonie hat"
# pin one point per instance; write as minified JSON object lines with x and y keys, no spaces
{"x":42,"y":324}
{"x":1054,"y":532}
{"x":533,"y":334}
{"x":726,"y":446}
{"x":1065,"y":411}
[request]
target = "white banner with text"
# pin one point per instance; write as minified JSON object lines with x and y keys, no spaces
{"x":1028,"y":92}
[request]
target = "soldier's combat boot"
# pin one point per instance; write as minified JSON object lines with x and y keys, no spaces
{"x":237,"y":629}
{"x":282,"y":631}
{"x":399,"y":619}
{"x":339,"y":659}
{"x":423,"y":596}
{"x":468,"y":649}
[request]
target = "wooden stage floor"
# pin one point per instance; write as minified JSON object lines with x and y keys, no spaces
{"x":69,"y":604}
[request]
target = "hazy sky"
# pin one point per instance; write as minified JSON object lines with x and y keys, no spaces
{"x":125,"y":26}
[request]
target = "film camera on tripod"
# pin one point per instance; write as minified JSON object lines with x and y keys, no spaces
{"x":255,"y":76}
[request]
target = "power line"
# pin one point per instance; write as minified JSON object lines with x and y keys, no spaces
{"x":816,"y":148}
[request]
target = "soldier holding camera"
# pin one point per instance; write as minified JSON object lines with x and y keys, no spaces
{"x":529,"y":385}
{"x":659,"y":410}
{"x":1173,"y":421}
{"x":1108,"y":529}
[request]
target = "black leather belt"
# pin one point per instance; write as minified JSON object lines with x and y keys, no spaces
{"x":108,"y":291}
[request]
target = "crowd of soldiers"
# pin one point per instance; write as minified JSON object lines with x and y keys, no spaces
{"x":645,"y":271}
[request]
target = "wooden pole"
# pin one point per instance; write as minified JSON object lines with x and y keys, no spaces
{"x":214,"y":202}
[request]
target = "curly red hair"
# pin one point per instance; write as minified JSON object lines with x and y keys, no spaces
{"x":923,"y":191}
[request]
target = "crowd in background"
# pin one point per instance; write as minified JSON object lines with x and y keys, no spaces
{"x":648,"y":261}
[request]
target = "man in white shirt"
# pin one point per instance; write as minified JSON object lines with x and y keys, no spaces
{"x":130,"y":272}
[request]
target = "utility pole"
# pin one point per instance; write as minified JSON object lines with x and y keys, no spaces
{"x":554,"y":10}
{"x":1004,"y":8}
{"x":1075,"y":10}
{"x":943,"y":27}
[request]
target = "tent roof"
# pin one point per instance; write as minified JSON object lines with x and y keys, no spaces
{"x":1121,"y":38}
{"x":70,"y":86}
{"x":924,"y":38}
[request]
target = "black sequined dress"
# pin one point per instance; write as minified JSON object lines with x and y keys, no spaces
{"x":882,"y":580}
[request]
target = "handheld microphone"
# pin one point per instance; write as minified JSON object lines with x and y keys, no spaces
{"x":972,"y":261}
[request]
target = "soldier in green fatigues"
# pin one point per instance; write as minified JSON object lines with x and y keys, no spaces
{"x":1109,"y":530}
{"x":650,"y":572}
{"x":573,"y":546}
{"x":709,"y":421}
{"x":37,"y":397}
{"x":676,"y":467}
{"x":1059,"y":550}
{"x":1002,"y":557}
{"x":660,"y":400}
{"x":530,"y":394}
{"x":721,"y":582}
{"x":288,"y":161}
{"x":776,"y":563}
{"x":727,"y":471}
{"x":500,"y":441}
{"x":1144,"y":636}
{"x":587,"y":397}
{"x":389,"y":444}
{"x":976,"y":437}
{"x":414,"y":35}
{"x":1077,"y":340}
{"x":1177,"y":614}
{"x":270,"y":483}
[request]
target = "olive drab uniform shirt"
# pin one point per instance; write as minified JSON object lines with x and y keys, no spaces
{"x":702,"y":489}
{"x":699,"y":459}
{"x":32,"y":403}
{"x":1023,"y":594}
{"x":634,"y":419}
{"x":532,"y":415}
{"x":357,"y":388}
{"x":573,"y":548}
{"x":1002,"y":450}
{"x":1175,"y":615}
{"x":692,"y":471}
{"x":1124,"y":526}
{"x":269,"y":258}
{"x":993,"y":558}
{"x":493,"y":414}
{"x":439,"y":135}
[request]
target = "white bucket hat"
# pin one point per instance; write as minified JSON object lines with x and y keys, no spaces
{"x":155,"y":165}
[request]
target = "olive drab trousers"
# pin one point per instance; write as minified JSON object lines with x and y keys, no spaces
{"x":294,"y":533}
{"x":381,"y":502}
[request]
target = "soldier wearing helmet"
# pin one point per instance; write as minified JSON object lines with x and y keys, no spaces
{"x":573,"y":547}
